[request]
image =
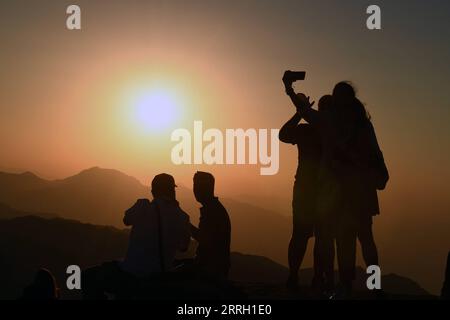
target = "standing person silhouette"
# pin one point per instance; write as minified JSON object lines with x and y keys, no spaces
{"x":305,"y":219}
{"x":359,"y":165}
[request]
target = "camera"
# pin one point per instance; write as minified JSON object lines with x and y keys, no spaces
{"x":290,"y":77}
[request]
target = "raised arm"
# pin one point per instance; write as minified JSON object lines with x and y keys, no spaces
{"x":303,"y":105}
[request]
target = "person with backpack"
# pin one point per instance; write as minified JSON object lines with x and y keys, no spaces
{"x":159,"y":228}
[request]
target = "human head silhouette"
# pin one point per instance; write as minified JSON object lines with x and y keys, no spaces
{"x":325,"y":103}
{"x":344,"y":98}
{"x":203,"y":186}
{"x":163,"y":186}
{"x":343,"y":92}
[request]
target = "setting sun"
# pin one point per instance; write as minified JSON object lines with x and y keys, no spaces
{"x":97,"y":98}
{"x":156,"y":108}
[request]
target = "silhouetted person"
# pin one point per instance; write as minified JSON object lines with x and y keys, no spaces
{"x":305,"y":218}
{"x":213,"y":234}
{"x":445,"y":292}
{"x":43,"y":287}
{"x":159,"y":229}
{"x":359,"y":165}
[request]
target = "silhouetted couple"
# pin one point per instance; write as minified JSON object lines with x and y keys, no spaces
{"x":340,"y":169}
{"x":160,"y":229}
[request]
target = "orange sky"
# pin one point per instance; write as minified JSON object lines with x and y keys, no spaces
{"x":61,"y":90}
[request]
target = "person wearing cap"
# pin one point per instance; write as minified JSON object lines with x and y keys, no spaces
{"x":159,"y":228}
{"x":214,"y":231}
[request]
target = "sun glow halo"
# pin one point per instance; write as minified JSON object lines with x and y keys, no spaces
{"x":156,"y":109}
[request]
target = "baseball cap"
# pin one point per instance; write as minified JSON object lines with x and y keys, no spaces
{"x":163,"y":181}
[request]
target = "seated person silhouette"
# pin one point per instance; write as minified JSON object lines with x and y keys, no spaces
{"x":212,"y":260}
{"x":158,"y":230}
{"x":43,"y":287}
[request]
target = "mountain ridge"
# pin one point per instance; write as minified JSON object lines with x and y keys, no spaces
{"x":57,"y":243}
{"x":255,"y":227}
{"x":100,"y":196}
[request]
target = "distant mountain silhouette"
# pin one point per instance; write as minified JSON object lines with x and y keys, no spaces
{"x":278,"y":204}
{"x":100,"y":196}
{"x":263,"y":277}
{"x":6,"y":212}
{"x":14,"y":183}
{"x":28,"y":243}
{"x":256,"y":269}
{"x":95,"y":195}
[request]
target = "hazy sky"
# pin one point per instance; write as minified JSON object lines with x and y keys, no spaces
{"x":66,"y":97}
